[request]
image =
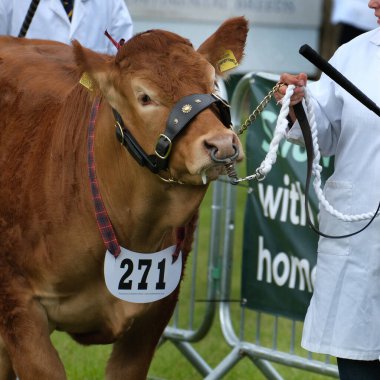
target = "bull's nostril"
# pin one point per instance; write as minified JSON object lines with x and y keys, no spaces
{"x":208,"y":145}
{"x":224,"y":160}
{"x":213,"y":149}
{"x":213,"y":153}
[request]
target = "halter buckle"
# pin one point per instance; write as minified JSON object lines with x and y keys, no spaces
{"x":221,"y":99}
{"x":168,"y":149}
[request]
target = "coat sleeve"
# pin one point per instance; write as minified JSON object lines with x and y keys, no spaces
{"x":327,"y":105}
{"x":122,"y":26}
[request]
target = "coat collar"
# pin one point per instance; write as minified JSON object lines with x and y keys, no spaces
{"x":376,"y":37}
{"x":57,"y":8}
{"x":78,"y":14}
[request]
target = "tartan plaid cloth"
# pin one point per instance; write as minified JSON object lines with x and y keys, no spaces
{"x":102,"y":219}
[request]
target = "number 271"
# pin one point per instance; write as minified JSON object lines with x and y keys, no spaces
{"x":126,"y":284}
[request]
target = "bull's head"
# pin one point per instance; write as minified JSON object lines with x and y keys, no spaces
{"x":164,"y":97}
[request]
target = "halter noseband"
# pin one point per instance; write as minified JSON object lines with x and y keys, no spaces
{"x":183,"y":112}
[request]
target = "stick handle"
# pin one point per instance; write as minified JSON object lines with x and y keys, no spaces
{"x":337,"y":77}
{"x":28,"y":18}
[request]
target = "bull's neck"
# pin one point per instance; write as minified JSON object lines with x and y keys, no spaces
{"x":143,"y":209}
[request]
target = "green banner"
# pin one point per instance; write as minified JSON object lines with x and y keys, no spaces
{"x":279,"y":248}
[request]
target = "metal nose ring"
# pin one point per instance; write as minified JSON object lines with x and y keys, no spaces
{"x":225,"y":160}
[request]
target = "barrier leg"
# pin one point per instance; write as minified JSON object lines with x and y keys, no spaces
{"x":193,"y":357}
{"x":266,"y":369}
{"x":226,"y":364}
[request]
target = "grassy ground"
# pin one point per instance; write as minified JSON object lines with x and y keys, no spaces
{"x":88,"y":363}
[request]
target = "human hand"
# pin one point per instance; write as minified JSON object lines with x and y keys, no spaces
{"x":298,"y":80}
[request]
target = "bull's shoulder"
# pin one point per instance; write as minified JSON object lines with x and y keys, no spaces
{"x":40,"y":66}
{"x":45,"y":49}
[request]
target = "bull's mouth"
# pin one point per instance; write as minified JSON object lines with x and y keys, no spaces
{"x":210,"y":167}
{"x":203,"y":177}
{"x":219,"y":164}
{"x":212,"y":173}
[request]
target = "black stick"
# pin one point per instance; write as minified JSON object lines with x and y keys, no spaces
{"x":337,"y":77}
{"x":28,"y":18}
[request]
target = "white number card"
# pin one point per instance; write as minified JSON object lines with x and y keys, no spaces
{"x":142,"y":277}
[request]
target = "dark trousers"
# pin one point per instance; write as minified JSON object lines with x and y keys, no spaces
{"x":358,"y":369}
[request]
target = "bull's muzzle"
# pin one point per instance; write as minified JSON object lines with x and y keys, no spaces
{"x":225,"y":160}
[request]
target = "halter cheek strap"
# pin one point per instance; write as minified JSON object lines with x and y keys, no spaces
{"x":183,"y":112}
{"x":103,"y":221}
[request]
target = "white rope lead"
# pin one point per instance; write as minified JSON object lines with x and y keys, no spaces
{"x":317,"y":169}
{"x":280,"y":133}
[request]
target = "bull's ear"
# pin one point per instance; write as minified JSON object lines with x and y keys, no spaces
{"x":225,"y":48}
{"x":99,"y":68}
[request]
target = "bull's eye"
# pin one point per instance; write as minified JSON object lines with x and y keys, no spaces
{"x":144,"y":99}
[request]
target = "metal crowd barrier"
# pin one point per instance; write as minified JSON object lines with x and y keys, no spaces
{"x":250,"y":334}
{"x":245,"y":333}
{"x":180,"y":333}
{"x":184,"y":329}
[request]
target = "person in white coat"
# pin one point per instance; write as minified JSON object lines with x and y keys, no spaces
{"x":353,"y":17}
{"x":343,"y":318}
{"x":90,"y":19}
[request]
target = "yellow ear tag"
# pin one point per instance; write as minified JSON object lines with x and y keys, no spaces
{"x":86,"y":81}
{"x":228,"y":61}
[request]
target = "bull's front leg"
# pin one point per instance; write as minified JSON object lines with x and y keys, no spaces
{"x":25,"y":334}
{"x":133,"y":352}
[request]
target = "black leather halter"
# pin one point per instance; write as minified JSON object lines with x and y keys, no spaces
{"x":180,"y":117}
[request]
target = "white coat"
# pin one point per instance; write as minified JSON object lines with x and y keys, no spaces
{"x":343,"y":318}
{"x":353,"y":12}
{"x":90,"y":19}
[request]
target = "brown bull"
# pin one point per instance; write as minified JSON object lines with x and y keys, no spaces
{"x":51,"y":249}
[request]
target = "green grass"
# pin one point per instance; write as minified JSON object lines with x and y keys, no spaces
{"x":88,"y":363}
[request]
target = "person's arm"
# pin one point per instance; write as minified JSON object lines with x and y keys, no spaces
{"x":328,"y":113}
{"x":327,"y":109}
{"x":122,"y":26}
